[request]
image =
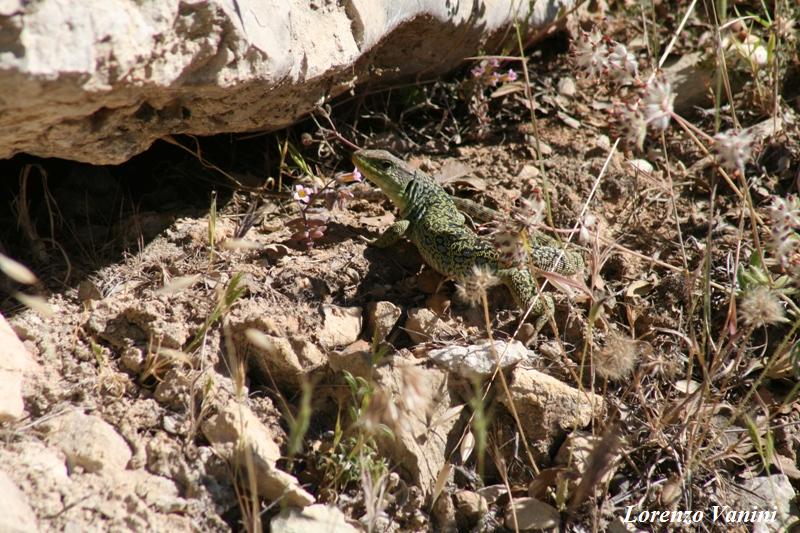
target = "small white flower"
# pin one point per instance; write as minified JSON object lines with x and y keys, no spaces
{"x":591,"y":54}
{"x":658,"y":103}
{"x":760,"y":56}
{"x":302,"y":193}
{"x":633,"y":124}
{"x":530,"y":213}
{"x":784,"y":215}
{"x":588,"y":226}
{"x":473,"y":288}
{"x":622,"y":64}
{"x":733,"y":149}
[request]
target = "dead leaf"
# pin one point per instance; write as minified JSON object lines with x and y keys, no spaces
{"x":508,"y":88}
{"x":638,"y":288}
{"x":569,"y":121}
{"x":467,"y":446}
{"x":457,"y":173}
{"x":447,"y":416}
{"x":441,"y":481}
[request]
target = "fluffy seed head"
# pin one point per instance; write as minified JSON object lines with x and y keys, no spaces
{"x":475,"y":286}
{"x":617,"y":358}
{"x":761,"y":307}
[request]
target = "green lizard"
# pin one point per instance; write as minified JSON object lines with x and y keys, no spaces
{"x":434,"y":221}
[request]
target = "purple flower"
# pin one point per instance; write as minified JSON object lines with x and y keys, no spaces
{"x":512,"y":75}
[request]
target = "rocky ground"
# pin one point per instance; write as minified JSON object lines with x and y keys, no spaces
{"x":239,"y":367}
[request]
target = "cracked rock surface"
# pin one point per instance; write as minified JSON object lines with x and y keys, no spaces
{"x":99,"y":81}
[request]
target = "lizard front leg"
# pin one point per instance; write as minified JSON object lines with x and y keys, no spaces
{"x":392,"y":234}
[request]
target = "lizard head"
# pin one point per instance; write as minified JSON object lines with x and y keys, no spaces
{"x":386,"y":171}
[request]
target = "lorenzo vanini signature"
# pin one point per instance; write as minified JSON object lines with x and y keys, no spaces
{"x":715,"y":514}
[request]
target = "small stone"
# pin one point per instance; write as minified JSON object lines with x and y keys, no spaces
{"x":88,"y":441}
{"x":470,"y":506}
{"x":787,"y":466}
{"x":544,"y":148}
{"x":492,"y":493}
{"x":16,"y":516}
{"x":236,"y":422}
{"x":157,"y":491}
{"x":691,"y":78}
{"x":276,"y":251}
{"x":317,"y":517}
{"x":356,"y":359}
{"x":340,"y":325}
{"x":479,"y":360}
{"x":444,"y":514}
{"x":174,"y":425}
{"x":549,"y":406}
{"x":45,"y":473}
{"x":88,"y":291}
{"x":423,"y":325}
{"x":566,"y":86}
{"x":527,"y":334}
{"x":428,"y":281}
{"x":576,"y":452}
{"x":238,"y":435}
{"x":286,"y":360}
{"x":424,"y":423}
{"x":640,"y":165}
{"x":769,"y":493}
{"x":11,"y":404}
{"x":132,"y":359}
{"x":550,"y":349}
{"x":531,"y":514}
{"x":174,"y":390}
{"x":528,"y":172}
{"x":381,"y":319}
{"x":439,"y":303}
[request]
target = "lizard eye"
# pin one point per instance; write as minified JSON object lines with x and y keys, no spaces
{"x":386,"y":165}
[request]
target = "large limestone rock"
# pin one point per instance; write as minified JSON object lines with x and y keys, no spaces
{"x":88,"y":441}
{"x":548,"y":408}
{"x":238,"y":435}
{"x":15,"y":363}
{"x":16,"y":516}
{"x":100,"y":80}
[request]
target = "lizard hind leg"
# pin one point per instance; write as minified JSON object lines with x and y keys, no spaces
{"x":547,"y":254}
{"x":526,"y":294}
